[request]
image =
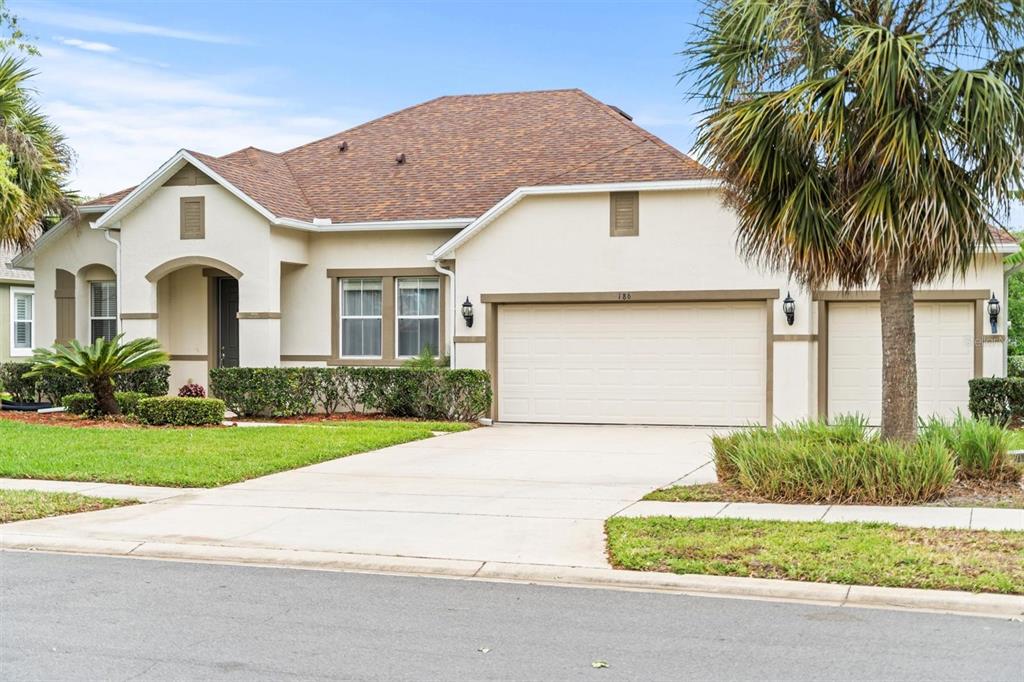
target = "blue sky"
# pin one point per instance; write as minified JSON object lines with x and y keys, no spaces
{"x":131,"y":83}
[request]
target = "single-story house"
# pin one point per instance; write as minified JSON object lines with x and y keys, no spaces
{"x":543,"y":236}
{"x":17,"y":307}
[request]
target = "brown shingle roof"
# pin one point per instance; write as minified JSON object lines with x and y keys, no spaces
{"x":463,"y":154}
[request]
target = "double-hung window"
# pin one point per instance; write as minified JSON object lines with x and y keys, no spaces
{"x":102,"y":310}
{"x":361,"y":317}
{"x":419,"y":322}
{"x":22,"y":321}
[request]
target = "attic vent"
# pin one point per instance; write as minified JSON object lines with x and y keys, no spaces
{"x":620,"y":112}
{"x":192,"y":218}
{"x":343,"y":147}
{"x":400,"y":159}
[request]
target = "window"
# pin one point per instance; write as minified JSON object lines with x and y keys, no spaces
{"x":193,"y":218}
{"x":102,"y":310}
{"x":419,"y":307}
{"x":625,"y":214}
{"x":361,"y":317}
{"x":22,"y":317}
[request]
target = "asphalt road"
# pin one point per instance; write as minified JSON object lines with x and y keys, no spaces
{"x":66,"y":617}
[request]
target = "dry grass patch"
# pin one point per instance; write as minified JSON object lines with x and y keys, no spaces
{"x":848,"y":553}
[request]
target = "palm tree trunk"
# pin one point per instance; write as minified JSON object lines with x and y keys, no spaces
{"x":899,"y":356}
{"x":103,"y":390}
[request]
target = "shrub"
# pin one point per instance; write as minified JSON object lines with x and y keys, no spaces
{"x":192,"y":391}
{"x":153,"y":381}
{"x":980,"y":446}
{"x":458,"y":394}
{"x":13,"y":381}
{"x":816,"y":462}
{"x":997,"y":399}
{"x":1015,"y":366}
{"x":181,"y":411}
{"x":85,"y":403}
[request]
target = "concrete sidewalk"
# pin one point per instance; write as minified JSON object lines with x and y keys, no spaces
{"x":117,"y":491}
{"x":974,"y":518}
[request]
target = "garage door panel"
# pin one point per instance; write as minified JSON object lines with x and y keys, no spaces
{"x":665,"y":363}
{"x":945,"y":358}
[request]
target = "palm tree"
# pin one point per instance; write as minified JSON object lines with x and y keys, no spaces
{"x":864,"y":143}
{"x":34,"y":160}
{"x":99,"y":363}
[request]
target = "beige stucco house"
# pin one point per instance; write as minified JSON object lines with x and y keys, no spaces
{"x":541,"y":235}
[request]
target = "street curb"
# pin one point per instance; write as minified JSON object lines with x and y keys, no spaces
{"x":828,"y":594}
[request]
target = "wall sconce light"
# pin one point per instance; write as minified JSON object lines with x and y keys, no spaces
{"x":789,"y":307}
{"x":993,"y":312}
{"x":467,"y":312}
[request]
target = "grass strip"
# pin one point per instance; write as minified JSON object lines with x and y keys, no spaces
{"x":21,"y":505}
{"x":848,"y":553}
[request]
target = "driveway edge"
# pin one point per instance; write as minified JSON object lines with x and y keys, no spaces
{"x":829,"y":594}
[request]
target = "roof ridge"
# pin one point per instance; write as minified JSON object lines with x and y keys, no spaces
{"x":591,"y":161}
{"x":362,"y":125}
{"x":636,"y":128}
{"x":511,"y":92}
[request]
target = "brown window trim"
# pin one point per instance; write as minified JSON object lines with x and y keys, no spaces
{"x":389,"y":313}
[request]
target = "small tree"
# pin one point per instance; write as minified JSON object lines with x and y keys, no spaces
{"x":99,"y":363}
{"x":865,"y":143}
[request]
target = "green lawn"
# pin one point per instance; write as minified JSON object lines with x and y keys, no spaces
{"x":204,"y":457}
{"x":850,"y":553}
{"x":20,"y":505}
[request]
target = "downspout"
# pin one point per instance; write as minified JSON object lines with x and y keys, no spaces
{"x":117,"y":273}
{"x":455,"y":306}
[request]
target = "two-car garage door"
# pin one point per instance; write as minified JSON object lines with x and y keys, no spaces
{"x":635,"y":363}
{"x":945,"y":358}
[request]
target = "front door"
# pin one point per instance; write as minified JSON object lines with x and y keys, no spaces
{"x":227,"y":322}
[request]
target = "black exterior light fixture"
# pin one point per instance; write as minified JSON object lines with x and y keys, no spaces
{"x":789,"y":307}
{"x":467,"y":312}
{"x":993,"y":312}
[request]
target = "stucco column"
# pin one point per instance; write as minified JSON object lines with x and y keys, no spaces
{"x":259,"y":317}
{"x":138,"y":310}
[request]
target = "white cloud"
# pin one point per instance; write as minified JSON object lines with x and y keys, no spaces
{"x":124,"y":119}
{"x":87,"y":45}
{"x":99,"y":24}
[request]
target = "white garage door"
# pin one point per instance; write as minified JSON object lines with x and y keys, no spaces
{"x":640,"y":363}
{"x":945,"y":358}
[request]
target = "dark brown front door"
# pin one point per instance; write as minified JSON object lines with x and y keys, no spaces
{"x":227,"y":321}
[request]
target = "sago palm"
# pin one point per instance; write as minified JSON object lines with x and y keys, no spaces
{"x":35,"y":160}
{"x":99,"y":363}
{"x":865,"y":143}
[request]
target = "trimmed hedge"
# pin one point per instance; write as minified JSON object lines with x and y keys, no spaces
{"x":996,"y":398}
{"x":451,"y":394}
{"x":85,"y":403}
{"x":180,"y":411}
{"x":52,"y":386}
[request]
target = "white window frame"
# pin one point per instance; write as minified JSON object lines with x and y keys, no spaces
{"x":342,"y":317}
{"x":117,"y":326}
{"x":399,"y":316}
{"x":23,"y":352}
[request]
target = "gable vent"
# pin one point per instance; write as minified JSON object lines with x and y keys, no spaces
{"x":193,"y":217}
{"x":625,"y":214}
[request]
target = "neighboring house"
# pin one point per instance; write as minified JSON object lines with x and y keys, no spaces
{"x":597,"y":262}
{"x":17,"y":309}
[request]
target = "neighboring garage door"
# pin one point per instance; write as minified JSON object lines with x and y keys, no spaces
{"x":945,"y":358}
{"x":638,"y":363}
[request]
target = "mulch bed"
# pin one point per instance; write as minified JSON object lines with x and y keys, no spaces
{"x":80,"y":422}
{"x":321,"y":418}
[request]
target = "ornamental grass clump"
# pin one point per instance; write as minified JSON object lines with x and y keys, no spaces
{"x":842,"y":463}
{"x":981,"y":446}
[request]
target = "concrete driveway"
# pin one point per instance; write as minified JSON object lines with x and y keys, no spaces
{"x":525,"y":494}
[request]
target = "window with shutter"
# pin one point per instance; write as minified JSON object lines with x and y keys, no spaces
{"x":22,"y":318}
{"x":193,"y":218}
{"x":625,"y":214}
{"x":102,"y":310}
